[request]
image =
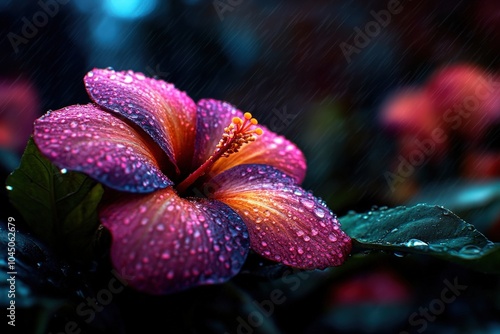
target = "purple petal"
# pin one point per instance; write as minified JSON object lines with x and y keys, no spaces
{"x":165,"y":243}
{"x":286,"y":223}
{"x":165,"y":113}
{"x":269,"y":148}
{"x":213,"y":116}
{"x":89,"y":140}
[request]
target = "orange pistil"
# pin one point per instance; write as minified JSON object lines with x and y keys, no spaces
{"x":235,"y":135}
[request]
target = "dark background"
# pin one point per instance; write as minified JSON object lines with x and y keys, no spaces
{"x":283,"y":61}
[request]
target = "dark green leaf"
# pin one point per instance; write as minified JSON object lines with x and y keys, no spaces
{"x":423,"y":229}
{"x":60,"y":207}
{"x":478,"y":202}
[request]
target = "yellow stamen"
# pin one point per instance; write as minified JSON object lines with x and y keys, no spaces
{"x":236,"y":134}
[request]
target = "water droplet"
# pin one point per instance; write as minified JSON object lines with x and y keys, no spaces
{"x":267,"y":213}
{"x":128,"y":79}
{"x":320,"y":213}
{"x":165,"y":255}
{"x":300,"y":233}
{"x":470,"y":251}
{"x":264,"y":244}
{"x":400,"y":254}
{"x":438,"y":248}
{"x":300,"y":250}
{"x":64,"y":171}
{"x":160,"y":227}
{"x":332,"y":238}
{"x":9,"y":188}
{"x":170,"y":274}
{"x":307,"y":203}
{"x":394,"y":230}
{"x":307,"y":238}
{"x":416,"y":243}
{"x":314,"y":232}
{"x":73,"y":124}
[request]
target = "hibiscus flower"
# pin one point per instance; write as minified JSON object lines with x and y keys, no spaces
{"x":196,"y":185}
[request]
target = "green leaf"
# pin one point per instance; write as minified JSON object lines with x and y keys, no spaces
{"x":478,"y":202}
{"x":59,"y":207}
{"x":423,"y":229}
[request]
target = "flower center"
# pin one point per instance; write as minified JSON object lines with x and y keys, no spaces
{"x":236,"y":134}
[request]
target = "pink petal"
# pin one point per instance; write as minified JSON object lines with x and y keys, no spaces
{"x":213,"y":116}
{"x":286,"y":223}
{"x":165,"y":113}
{"x":269,"y":148}
{"x":87,"y":139}
{"x":165,"y":243}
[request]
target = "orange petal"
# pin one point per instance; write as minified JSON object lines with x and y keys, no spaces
{"x":286,"y":223}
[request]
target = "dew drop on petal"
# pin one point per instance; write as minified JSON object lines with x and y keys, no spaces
{"x":165,"y":255}
{"x":320,"y":213}
{"x":332,"y":238}
{"x":307,"y":203}
{"x":170,"y":274}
